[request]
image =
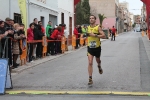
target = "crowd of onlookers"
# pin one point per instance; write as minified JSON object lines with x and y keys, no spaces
{"x":14,"y":32}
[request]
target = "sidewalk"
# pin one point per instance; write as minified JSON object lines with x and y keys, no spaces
{"x":43,"y":60}
{"x":146,"y":45}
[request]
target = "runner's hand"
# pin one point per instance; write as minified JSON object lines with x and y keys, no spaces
{"x":91,"y":34}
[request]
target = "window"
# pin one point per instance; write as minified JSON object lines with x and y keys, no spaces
{"x":53,"y":19}
{"x":62,"y":18}
{"x":17,"y":18}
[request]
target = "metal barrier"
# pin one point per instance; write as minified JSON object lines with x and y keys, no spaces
{"x":4,"y":50}
{"x":44,"y":41}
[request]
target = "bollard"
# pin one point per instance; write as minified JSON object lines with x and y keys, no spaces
{"x":143,"y":33}
{"x":147,"y":34}
{"x":81,"y":40}
{"x":63,"y":44}
{"x":44,"y":44}
{"x":66,"y":44}
{"x":86,"y":41}
{"x":23,"y":56}
{"x":73,"y":42}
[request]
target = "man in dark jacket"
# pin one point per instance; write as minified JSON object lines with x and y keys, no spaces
{"x":9,"y":27}
{"x":39,"y":48}
{"x":35,"y":32}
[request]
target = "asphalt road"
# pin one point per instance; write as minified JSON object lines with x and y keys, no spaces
{"x":125,"y":63}
{"x":74,"y":97}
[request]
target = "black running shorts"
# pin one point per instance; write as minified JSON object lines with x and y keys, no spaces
{"x":94,"y":51}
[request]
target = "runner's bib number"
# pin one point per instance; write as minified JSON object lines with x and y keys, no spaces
{"x":92,"y":44}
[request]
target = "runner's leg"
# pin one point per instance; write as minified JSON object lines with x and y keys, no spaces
{"x":90,"y":68}
{"x":99,"y":65}
{"x":90,"y":65}
{"x":98,"y":61}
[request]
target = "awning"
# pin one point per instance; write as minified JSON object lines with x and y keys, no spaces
{"x":76,"y":1}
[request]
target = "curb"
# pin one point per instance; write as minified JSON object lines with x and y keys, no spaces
{"x":114,"y":93}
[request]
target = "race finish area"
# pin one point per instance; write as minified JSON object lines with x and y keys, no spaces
{"x":123,"y":63}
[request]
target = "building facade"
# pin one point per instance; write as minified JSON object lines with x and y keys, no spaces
{"x":137,"y":19}
{"x":120,"y":20}
{"x":66,"y":14}
{"x":106,"y":7}
{"x":126,"y":15}
{"x":43,"y":10}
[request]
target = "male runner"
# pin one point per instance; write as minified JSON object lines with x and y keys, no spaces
{"x":94,"y":33}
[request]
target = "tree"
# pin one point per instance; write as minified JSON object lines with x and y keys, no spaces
{"x":86,"y":11}
{"x":133,"y":25}
{"x":82,"y":12}
{"x":79,"y":14}
{"x":101,"y":18}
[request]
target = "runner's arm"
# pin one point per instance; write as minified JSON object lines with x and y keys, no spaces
{"x":102,"y":35}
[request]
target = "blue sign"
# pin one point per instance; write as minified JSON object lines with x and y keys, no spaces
{"x":5,"y":76}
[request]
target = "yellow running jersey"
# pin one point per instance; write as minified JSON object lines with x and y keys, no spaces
{"x":93,"y":42}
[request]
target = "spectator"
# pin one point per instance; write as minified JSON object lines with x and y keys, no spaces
{"x":12,"y":22}
{"x":22,"y":32}
{"x":55,"y":36}
{"x":8,"y":27}
{"x":30,"y":37}
{"x":35,"y":32}
{"x":3,"y":34}
{"x":59,"y":38}
{"x":66,"y":36}
{"x":113,"y":33}
{"x":48,"y":34}
{"x":39,"y":48}
{"x":76,"y":34}
{"x":79,"y":33}
{"x":84,"y":32}
{"x":16,"y":44}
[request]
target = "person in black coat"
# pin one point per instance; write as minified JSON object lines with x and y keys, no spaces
{"x":80,"y":32}
{"x":40,"y":35}
{"x":35,"y":32}
{"x":8,"y":27}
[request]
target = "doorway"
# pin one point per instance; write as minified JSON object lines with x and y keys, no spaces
{"x":42,"y":19}
{"x":70,"y":30}
{"x":62,"y":18}
{"x":53,"y":19}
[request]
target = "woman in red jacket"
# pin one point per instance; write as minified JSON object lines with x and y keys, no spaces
{"x":30,"y":37}
{"x":55,"y":35}
{"x":76,"y":34}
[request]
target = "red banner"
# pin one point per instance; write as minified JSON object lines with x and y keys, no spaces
{"x":76,"y":2}
{"x":147,"y":3}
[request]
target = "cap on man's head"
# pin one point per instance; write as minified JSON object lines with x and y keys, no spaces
{"x":1,"y":21}
{"x":8,"y":19}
